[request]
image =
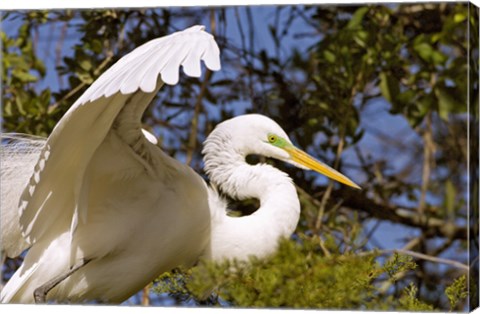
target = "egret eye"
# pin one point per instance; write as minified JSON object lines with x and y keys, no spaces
{"x":272,"y":138}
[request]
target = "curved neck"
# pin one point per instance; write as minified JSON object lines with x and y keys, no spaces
{"x":277,"y":216}
{"x":227,"y":169}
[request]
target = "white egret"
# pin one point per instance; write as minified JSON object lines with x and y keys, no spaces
{"x":106,"y":210}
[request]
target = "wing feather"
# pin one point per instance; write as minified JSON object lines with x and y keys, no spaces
{"x":56,"y":196}
{"x":19,"y":154}
{"x":170,"y":71}
{"x":194,"y":36}
{"x":143,"y":63}
{"x":50,"y":202}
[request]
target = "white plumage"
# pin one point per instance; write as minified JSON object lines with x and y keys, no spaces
{"x":104,"y":199}
{"x":18,"y":156}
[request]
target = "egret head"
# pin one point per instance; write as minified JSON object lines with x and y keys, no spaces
{"x":260,"y":135}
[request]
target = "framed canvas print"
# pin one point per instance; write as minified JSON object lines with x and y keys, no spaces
{"x":293,"y":156}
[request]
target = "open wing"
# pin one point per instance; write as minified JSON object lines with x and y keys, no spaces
{"x":56,"y":194}
{"x":18,"y":156}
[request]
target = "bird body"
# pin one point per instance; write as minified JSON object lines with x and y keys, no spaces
{"x":126,"y":225}
{"x":106,"y":211}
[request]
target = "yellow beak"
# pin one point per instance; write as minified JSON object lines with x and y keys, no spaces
{"x":308,"y":161}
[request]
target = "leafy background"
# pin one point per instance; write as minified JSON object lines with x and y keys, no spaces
{"x":387,"y":94}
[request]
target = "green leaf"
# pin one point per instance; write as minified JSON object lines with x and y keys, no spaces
{"x":438,"y":58}
{"x":96,"y":46}
{"x":357,"y":18}
{"x":410,"y":302}
{"x":389,"y":86}
{"x":406,"y":98}
{"x":447,"y":101}
{"x":427,"y":52}
{"x":24,"y":77}
{"x":40,"y":67}
{"x":45,"y":97}
{"x":19,"y":103}
{"x":397,"y":264}
{"x":84,"y":62}
{"x":361,"y":38}
{"x":24,"y":31}
{"x":85,"y":78}
{"x":459,"y":17}
{"x":424,"y":50}
{"x":425,"y":104}
{"x":329,"y":56}
{"x":416,"y":112}
{"x":457,"y":291}
{"x":7,"y":108}
{"x":450,"y":195}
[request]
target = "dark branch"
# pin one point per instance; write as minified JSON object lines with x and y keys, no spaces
{"x":431,"y":228}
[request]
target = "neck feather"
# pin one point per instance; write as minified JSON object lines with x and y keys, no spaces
{"x":227,"y":169}
{"x":279,"y":205}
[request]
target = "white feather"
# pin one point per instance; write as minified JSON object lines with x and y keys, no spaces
{"x":18,"y":155}
{"x":165,"y":55}
{"x":97,"y":119}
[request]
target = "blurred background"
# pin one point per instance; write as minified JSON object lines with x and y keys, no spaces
{"x":385,"y":93}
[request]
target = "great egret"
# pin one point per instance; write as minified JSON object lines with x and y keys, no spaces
{"x":106,"y":210}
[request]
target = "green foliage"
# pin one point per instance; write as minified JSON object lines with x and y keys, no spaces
{"x":298,"y":276}
{"x":20,"y":70}
{"x":457,"y":291}
{"x":438,"y":84}
{"x":398,"y":264}
{"x":409,"y":302}
{"x":173,"y":282}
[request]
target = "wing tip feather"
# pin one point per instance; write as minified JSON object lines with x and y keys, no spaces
{"x":210,"y":57}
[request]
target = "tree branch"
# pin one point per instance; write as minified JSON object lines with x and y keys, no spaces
{"x":433,"y":227}
{"x":428,"y":258}
{"x":192,"y":140}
